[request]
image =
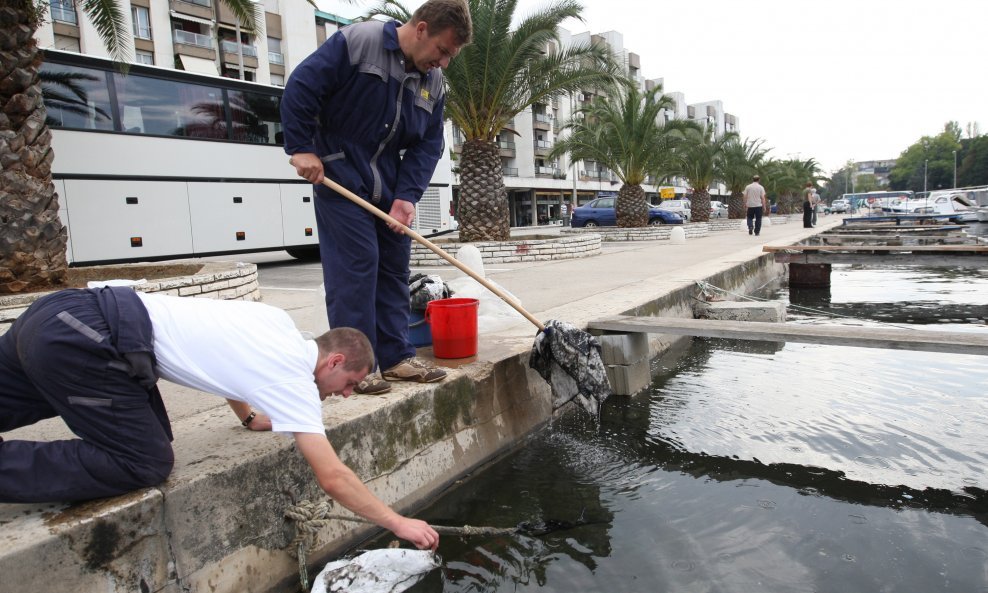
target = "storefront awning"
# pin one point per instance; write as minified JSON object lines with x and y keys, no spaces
{"x":194,"y":19}
{"x":199,"y":65}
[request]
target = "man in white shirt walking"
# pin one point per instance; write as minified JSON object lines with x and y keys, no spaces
{"x":756,"y":200}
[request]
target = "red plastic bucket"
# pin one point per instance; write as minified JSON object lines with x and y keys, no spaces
{"x":454,"y":327}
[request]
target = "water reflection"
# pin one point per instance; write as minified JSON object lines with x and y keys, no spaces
{"x":752,"y":466}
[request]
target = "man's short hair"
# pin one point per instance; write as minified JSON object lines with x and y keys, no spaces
{"x":755,"y":178}
{"x":440,"y":15}
{"x":351,"y":343}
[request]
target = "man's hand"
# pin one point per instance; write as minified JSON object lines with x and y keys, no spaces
{"x":418,"y":532}
{"x":403,"y":212}
{"x":308,"y":166}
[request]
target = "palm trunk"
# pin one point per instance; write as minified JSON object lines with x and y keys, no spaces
{"x":32,"y":238}
{"x":786,"y":201}
{"x":631,"y":208}
{"x":700,"y":205}
{"x":482,"y":211}
{"x":735,"y":206}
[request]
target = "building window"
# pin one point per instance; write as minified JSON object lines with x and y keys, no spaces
{"x":63,"y":11}
{"x":274,"y":51}
{"x":142,"y":22}
{"x":278,"y":79}
{"x":143,"y":57}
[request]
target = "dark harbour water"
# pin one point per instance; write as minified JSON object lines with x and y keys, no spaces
{"x":758,"y":467}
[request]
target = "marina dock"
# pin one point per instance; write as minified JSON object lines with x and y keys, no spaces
{"x":835,"y":335}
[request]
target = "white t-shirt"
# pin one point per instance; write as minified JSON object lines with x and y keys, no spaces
{"x":250,"y":352}
{"x":753,"y":194}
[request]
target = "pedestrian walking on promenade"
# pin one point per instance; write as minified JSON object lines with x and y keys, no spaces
{"x":808,"y":206}
{"x":93,"y":357}
{"x":756,"y":201}
{"x":366,"y":110}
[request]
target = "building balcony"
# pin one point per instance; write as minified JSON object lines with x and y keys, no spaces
{"x":595,"y":175}
{"x":542,"y":121}
{"x":232,"y":47}
{"x":549,"y":172}
{"x":195,"y":39}
{"x":275,"y":57}
{"x":205,"y":3}
{"x":507,"y":148}
{"x":510,"y":171}
{"x":542,"y":147}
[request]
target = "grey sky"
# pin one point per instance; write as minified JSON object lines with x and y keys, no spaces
{"x":836,"y":80}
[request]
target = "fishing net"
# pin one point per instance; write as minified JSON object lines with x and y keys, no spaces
{"x":569,"y":359}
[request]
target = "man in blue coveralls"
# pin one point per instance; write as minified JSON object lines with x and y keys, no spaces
{"x":366,"y":110}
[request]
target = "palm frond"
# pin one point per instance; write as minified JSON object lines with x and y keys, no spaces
{"x":505,"y":71}
{"x":391,"y":10}
{"x":108,"y":20}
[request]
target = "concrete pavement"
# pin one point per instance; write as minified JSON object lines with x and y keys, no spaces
{"x":219,"y":515}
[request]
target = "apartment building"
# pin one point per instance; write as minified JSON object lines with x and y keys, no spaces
{"x":202,"y":36}
{"x":536,"y":186}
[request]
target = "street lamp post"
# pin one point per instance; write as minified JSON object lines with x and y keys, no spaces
{"x":955,"y":168}
{"x":926,"y":164}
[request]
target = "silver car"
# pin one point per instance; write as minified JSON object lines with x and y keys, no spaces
{"x":718,"y":209}
{"x":680,"y":207}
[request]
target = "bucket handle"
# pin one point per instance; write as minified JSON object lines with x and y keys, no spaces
{"x":418,"y":323}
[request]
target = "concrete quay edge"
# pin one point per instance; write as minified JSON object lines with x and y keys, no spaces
{"x":218,"y":523}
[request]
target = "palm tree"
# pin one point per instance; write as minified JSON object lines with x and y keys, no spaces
{"x":700,"y":161}
{"x":502,"y":73}
{"x":741,"y":161}
{"x":32,"y":238}
{"x":786,"y":179}
{"x":622,"y":133}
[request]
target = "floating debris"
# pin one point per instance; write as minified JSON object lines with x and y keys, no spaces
{"x":391,"y":570}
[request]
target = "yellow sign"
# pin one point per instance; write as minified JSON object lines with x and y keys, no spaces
{"x":667,"y":193}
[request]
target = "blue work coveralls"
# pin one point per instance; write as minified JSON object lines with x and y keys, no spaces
{"x":379,"y":132}
{"x":87,"y":356}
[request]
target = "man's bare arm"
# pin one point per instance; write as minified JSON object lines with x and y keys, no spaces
{"x":339,"y":481}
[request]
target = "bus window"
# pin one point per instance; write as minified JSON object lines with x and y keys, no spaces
{"x":169,"y":108}
{"x":76,"y":98}
{"x":255,"y":117}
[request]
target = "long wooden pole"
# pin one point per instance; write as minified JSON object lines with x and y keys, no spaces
{"x":465,"y":530}
{"x":432,"y":246}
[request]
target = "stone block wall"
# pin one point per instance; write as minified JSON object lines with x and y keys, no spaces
{"x":522,"y":250}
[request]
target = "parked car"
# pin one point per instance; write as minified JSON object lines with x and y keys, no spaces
{"x":839,"y":205}
{"x":680,"y":207}
{"x":600,"y":212}
{"x":718,"y":209}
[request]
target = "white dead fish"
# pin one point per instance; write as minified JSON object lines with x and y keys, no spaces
{"x":391,"y":570}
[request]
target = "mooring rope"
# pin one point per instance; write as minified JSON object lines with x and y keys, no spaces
{"x":309,"y":518}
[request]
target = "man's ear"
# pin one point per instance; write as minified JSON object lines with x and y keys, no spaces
{"x":335,"y":359}
{"x":421,"y":30}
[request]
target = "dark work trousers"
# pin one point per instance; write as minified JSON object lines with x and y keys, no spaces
{"x":58,"y":359}
{"x":807,"y":215}
{"x":365,"y":271}
{"x":754,"y":219}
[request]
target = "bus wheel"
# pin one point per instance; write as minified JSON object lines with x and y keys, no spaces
{"x":304,"y":253}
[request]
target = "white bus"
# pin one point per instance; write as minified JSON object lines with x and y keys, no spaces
{"x":160,"y":164}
